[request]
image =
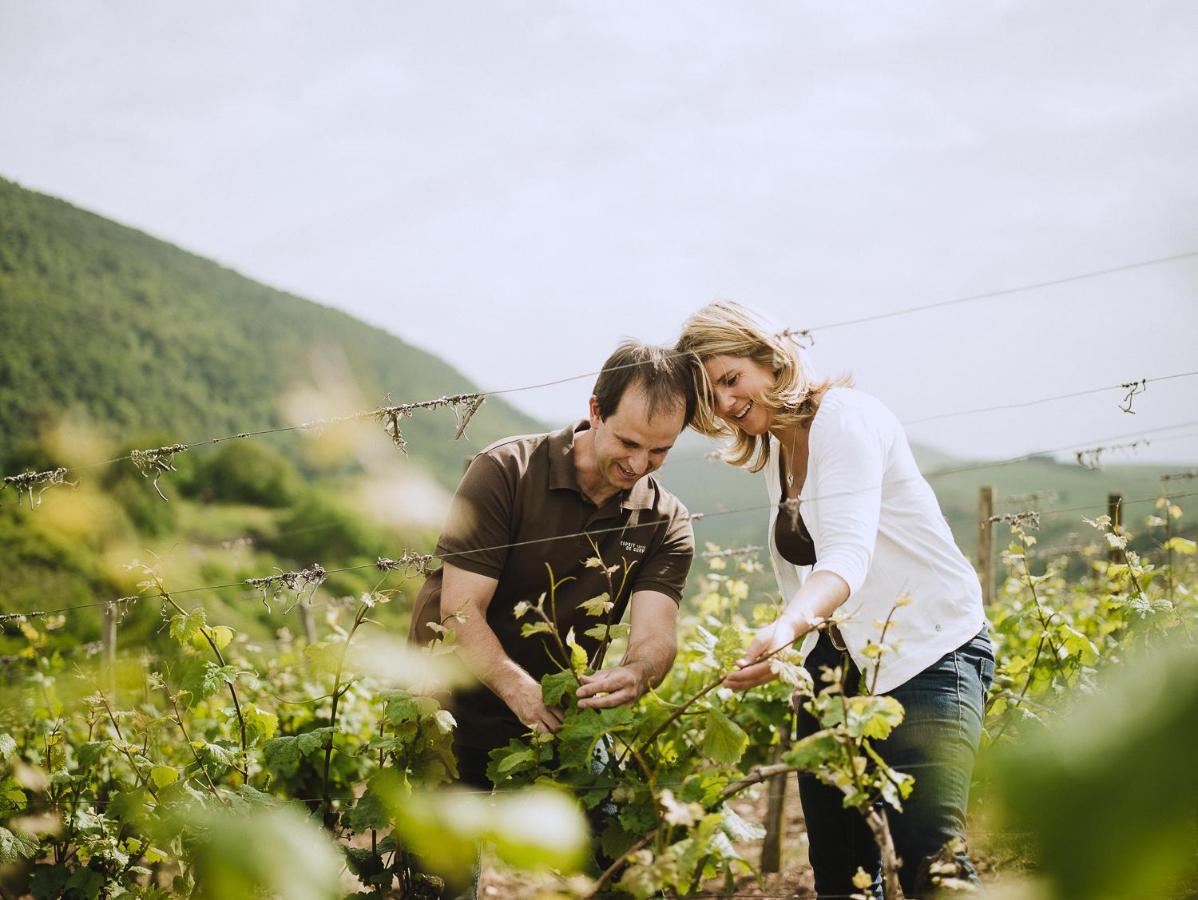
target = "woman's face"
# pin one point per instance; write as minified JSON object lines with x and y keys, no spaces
{"x":739,"y":384}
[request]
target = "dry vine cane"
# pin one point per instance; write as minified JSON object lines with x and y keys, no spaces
{"x":301,"y":585}
{"x":411,"y":564}
{"x":156,"y":462}
{"x":1133,"y":388}
{"x":391,"y":414}
{"x":27,"y":481}
{"x":1092,"y":458}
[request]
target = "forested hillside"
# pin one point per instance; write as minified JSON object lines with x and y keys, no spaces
{"x":139,"y":336}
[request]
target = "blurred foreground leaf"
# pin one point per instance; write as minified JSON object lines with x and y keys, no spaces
{"x":1110,"y":792}
{"x":531,"y":829}
{"x":248,"y":851}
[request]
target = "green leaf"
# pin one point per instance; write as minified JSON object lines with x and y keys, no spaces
{"x":185,"y":626}
{"x":582,"y":728}
{"x":220,"y":635}
{"x":386,"y":789}
{"x":531,"y":628}
{"x":613,"y":632}
{"x":597,"y":606}
{"x":48,"y":882}
{"x":210,"y":679}
{"x":729,"y":647}
{"x":499,"y":754}
{"x":402,"y":707}
{"x":558,"y":687}
{"x":615,"y":841}
{"x":164,"y":775}
{"x":154,"y":855}
{"x":90,"y":752}
{"x":324,"y":656}
{"x":647,"y":876}
{"x":259,"y":724}
{"x":1077,"y":644}
{"x":86,"y":883}
{"x":15,"y":846}
{"x":130,"y":807}
{"x":738,"y":828}
{"x":283,"y":754}
{"x":364,"y":863}
{"x":813,"y":751}
{"x":578,"y":658}
{"x":1183,"y":546}
{"x":221,"y":754}
{"x":874,"y":717}
{"x":515,"y":760}
{"x":868,"y":716}
{"x":723,"y":740}
{"x":12,"y":797}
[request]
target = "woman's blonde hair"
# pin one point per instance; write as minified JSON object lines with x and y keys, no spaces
{"x":725,"y":328}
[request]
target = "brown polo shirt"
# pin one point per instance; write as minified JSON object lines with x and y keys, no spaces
{"x":517,"y":500}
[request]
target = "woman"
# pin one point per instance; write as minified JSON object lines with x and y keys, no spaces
{"x":868,"y":531}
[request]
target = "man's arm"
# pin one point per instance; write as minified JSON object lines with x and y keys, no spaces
{"x":652,"y":643}
{"x":468,"y":595}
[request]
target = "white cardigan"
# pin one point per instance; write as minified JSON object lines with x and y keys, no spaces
{"x":876,"y":523}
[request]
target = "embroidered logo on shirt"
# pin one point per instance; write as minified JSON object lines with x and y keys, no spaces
{"x":632,"y":548}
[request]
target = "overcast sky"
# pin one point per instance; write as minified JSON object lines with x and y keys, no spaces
{"x":515,"y":186}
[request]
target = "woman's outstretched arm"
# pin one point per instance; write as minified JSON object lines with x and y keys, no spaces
{"x":815,"y":601}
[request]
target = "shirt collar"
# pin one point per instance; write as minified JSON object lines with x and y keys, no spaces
{"x":561,"y":457}
{"x":563,"y":475}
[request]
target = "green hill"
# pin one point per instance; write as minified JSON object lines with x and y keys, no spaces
{"x":139,"y":336}
{"x":152,"y":345}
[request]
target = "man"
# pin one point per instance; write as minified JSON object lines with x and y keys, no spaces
{"x":528,"y":510}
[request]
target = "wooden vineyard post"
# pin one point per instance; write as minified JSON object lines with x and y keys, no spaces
{"x":308,"y":622}
{"x":1114,"y":509}
{"x":985,"y":560}
{"x":108,"y":614}
{"x":775,"y":814}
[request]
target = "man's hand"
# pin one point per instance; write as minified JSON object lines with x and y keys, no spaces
{"x":526,"y":702}
{"x":612,"y":687}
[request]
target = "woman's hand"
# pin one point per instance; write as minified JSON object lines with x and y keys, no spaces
{"x":752,"y":668}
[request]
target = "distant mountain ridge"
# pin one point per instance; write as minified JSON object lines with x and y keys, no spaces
{"x":141,"y":336}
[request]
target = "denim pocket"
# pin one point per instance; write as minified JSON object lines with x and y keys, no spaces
{"x":986,"y":671}
{"x":979,"y":651}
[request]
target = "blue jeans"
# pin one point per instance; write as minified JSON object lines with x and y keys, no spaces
{"x":936,"y":743}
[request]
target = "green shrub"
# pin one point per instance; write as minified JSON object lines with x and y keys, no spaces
{"x":247,"y":472}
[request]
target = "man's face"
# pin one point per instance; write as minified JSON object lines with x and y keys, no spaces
{"x":628,"y":444}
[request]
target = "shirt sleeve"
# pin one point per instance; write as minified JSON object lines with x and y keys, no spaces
{"x":848,"y":460}
{"x":665,"y":570}
{"x":480,"y":519}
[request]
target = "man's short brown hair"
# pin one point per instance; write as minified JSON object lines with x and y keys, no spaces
{"x":662,"y":374}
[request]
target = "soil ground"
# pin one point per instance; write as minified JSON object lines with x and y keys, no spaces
{"x":794,"y":882}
